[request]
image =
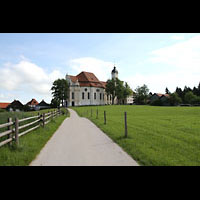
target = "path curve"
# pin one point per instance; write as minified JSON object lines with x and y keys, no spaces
{"x":79,"y":142}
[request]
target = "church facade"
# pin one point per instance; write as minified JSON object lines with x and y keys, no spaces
{"x":86,"y":89}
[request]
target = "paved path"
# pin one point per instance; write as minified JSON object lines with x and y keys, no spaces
{"x":78,"y":142}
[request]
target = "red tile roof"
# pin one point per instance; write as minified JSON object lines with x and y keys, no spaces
{"x":32,"y":102}
{"x":87,"y":79}
{"x":4,"y":105}
{"x":160,"y":95}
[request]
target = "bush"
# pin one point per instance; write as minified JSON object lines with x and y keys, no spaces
{"x":2,"y":110}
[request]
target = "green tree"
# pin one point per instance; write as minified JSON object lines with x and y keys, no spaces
{"x":111,"y":88}
{"x":55,"y":103}
{"x":142,"y":94}
{"x":190,"y":98}
{"x":174,"y":99}
{"x":167,"y":91}
{"x":60,"y":90}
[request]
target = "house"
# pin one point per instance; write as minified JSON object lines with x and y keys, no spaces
{"x":4,"y":105}
{"x":162,"y":97}
{"x":15,"y":106}
{"x":32,"y":104}
{"x":42,"y":105}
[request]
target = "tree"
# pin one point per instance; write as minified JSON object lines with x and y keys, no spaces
{"x":167,"y":91}
{"x":141,"y":95}
{"x":111,"y":88}
{"x":55,"y":103}
{"x":60,"y":90}
{"x":191,"y":98}
{"x":174,"y":99}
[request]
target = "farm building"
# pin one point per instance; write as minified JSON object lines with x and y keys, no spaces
{"x":42,"y":105}
{"x":15,"y":106}
{"x":4,"y":105}
{"x":32,"y":104}
{"x":162,"y":97}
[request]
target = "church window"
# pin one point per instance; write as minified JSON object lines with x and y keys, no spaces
{"x":83,"y":95}
{"x":86,"y":89}
{"x":95,"y":95}
{"x":72,"y":95}
{"x":100,"y":96}
{"x":88,"y":95}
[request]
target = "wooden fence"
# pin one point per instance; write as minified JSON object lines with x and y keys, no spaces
{"x":13,"y":127}
{"x":105,"y":122}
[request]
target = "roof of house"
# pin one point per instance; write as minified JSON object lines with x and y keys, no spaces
{"x":87,"y":79}
{"x":32,"y":102}
{"x":4,"y":105}
{"x":43,"y":103}
{"x":15,"y":104}
{"x":160,"y":95}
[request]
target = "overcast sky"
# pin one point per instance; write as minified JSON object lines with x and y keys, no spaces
{"x":29,"y":63}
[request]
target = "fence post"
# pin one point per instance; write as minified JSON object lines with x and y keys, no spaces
{"x":97,"y":113}
{"x":104,"y":117}
{"x":125,"y":120}
{"x":39,"y":117}
{"x":17,"y":131}
{"x":10,"y":128}
{"x":43,"y":120}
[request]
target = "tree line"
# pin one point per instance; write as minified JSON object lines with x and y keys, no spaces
{"x":179,"y":96}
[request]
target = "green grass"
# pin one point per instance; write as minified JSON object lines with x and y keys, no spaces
{"x":29,"y":145}
{"x":157,"y":136}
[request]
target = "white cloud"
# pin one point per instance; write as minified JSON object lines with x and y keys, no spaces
{"x":102,"y":69}
{"x":27,"y":77}
{"x":178,"y":37}
{"x":179,"y":66}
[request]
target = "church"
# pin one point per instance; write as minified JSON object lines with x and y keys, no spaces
{"x":86,"y":89}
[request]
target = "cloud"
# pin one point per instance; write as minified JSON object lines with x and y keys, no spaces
{"x":27,"y":77}
{"x":177,"y":37}
{"x":172,"y":66}
{"x":102,"y":69}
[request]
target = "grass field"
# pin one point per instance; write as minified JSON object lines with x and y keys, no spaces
{"x":29,"y":144}
{"x":157,"y":136}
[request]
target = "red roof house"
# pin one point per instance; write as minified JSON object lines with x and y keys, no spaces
{"x":4,"y":105}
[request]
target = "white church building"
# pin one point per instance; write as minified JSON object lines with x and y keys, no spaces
{"x":86,"y":89}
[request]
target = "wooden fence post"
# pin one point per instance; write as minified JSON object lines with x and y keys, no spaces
{"x":43,"y":120}
{"x":17,"y":131}
{"x":39,"y":117}
{"x":97,"y":113}
{"x":10,"y":128}
{"x":104,"y":117}
{"x":125,"y":121}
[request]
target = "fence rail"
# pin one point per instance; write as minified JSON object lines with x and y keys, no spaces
{"x":14,"y":126}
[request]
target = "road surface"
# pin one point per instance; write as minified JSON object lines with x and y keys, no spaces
{"x":79,"y":142}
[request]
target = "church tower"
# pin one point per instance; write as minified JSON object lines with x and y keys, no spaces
{"x":114,"y":73}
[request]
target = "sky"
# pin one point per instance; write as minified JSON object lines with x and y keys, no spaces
{"x":30,"y":62}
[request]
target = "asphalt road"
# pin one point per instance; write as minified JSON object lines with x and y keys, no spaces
{"x":78,"y":142}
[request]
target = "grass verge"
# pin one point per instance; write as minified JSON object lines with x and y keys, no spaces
{"x":30,"y":145}
{"x":157,"y":136}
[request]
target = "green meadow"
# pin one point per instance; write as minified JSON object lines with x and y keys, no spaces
{"x":157,"y":136}
{"x":30,"y":144}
